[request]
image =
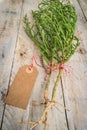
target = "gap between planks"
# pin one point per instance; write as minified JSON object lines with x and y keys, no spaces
{"x":60,"y":118}
{"x":12,"y":65}
{"x":77,"y":119}
{"x":83,"y":6}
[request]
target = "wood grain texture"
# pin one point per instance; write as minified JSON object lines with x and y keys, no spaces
{"x":12,"y":115}
{"x":9,"y":23}
{"x":83,"y":4}
{"x":75,"y":85}
{"x":72,"y":90}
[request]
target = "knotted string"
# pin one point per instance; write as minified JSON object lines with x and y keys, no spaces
{"x":66,"y":68}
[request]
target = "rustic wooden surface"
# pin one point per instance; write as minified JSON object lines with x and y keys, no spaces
{"x":72,"y":89}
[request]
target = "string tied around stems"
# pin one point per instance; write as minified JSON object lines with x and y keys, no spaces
{"x":65,"y":67}
{"x":49,"y":69}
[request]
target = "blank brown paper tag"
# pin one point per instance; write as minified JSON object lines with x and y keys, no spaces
{"x":22,"y":86}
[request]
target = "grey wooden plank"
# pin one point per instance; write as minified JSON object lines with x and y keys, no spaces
{"x":57,"y":119}
{"x":83,"y":4}
{"x":74,"y":86}
{"x":10,"y":12}
{"x":75,"y":96}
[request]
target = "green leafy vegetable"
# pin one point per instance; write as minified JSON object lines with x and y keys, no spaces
{"x":53,"y":30}
{"x":53,"y":33}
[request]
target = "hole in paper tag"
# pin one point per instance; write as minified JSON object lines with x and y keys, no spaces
{"x":29,"y":70}
{"x":22,"y":86}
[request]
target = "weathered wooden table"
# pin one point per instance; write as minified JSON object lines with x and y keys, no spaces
{"x":16,"y":49}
